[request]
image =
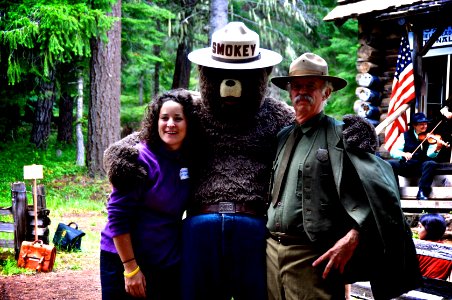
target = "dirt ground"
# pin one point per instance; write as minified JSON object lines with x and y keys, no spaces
{"x":75,"y":275}
{"x":67,"y":284}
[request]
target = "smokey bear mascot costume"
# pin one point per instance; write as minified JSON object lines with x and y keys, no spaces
{"x":224,"y":233}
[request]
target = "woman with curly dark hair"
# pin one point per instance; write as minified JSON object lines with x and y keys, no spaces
{"x":140,"y":245}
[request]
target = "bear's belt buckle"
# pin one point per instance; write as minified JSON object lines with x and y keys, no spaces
{"x":226,"y":207}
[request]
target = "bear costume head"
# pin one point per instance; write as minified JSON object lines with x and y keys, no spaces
{"x":231,"y":95}
{"x":233,"y":73}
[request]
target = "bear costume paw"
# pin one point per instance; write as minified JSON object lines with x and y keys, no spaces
{"x":359,"y":133}
{"x":121,"y":164}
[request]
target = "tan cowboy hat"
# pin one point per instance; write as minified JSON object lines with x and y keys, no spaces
{"x":235,"y":46}
{"x":309,"y":65}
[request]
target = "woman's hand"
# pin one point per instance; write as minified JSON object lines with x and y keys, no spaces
{"x":135,"y":282}
{"x":136,"y":285}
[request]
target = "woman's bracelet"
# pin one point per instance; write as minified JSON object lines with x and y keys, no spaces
{"x":133,"y":273}
{"x":129,"y":260}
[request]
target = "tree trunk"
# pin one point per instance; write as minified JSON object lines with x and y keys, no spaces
{"x":104,"y":109}
{"x":43,"y":112}
{"x":218,"y":16}
{"x":182,"y":68}
{"x":65,"y":119}
{"x":157,"y":49}
{"x":181,"y":76}
{"x":140,"y":90}
{"x":157,"y":66}
{"x":78,"y":128}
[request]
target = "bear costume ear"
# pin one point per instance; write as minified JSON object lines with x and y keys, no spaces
{"x":359,"y":133}
{"x":121,"y":163}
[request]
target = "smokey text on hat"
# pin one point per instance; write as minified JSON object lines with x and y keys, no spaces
{"x":231,"y":50}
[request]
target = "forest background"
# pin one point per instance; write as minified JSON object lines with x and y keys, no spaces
{"x":76,"y":76}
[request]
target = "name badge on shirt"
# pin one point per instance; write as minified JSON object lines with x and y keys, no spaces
{"x":183,"y":173}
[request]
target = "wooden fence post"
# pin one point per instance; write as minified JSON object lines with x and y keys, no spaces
{"x":41,"y":197}
{"x":19,"y":209}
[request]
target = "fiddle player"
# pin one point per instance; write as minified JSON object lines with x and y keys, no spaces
{"x":413,"y":157}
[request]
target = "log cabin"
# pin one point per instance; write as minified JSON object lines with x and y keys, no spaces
{"x":427,"y":25}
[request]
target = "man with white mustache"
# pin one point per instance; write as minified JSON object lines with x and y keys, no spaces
{"x":331,"y":203}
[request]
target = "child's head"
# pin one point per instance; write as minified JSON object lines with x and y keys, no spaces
{"x":432,"y":226}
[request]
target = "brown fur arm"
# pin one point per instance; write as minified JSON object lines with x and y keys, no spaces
{"x":121,"y":163}
{"x":359,"y":133}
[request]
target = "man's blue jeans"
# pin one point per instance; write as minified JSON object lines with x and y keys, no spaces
{"x":224,"y":256}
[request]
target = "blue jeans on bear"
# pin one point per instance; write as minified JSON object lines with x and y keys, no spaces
{"x":223,"y":256}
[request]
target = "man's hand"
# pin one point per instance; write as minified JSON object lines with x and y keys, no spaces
{"x":407,"y":155}
{"x":445,"y":112}
{"x":339,"y":255}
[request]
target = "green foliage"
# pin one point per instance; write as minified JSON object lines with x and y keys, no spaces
{"x":69,"y":193}
{"x":64,"y":181}
{"x":342,"y":42}
{"x":131,"y":112}
{"x":104,"y":5}
{"x":270,"y":19}
{"x":144,"y":26}
{"x":39,"y":34}
{"x":8,"y":265}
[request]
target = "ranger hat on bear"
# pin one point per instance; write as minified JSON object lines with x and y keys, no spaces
{"x":235,"y":46}
{"x":309,"y":65}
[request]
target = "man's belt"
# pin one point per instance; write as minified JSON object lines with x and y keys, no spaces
{"x":287,"y":240}
{"x":226,"y":207}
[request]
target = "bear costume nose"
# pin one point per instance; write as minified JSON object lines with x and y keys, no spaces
{"x":231,"y":88}
{"x":230,"y":82}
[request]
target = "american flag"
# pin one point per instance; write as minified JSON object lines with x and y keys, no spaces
{"x":402,"y":93}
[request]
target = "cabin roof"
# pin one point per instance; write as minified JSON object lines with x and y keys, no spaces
{"x":384,"y":9}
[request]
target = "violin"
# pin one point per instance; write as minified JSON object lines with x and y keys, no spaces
{"x":432,"y":139}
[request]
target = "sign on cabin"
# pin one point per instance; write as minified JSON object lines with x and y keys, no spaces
{"x":444,"y":40}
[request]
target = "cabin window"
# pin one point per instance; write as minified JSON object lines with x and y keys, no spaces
{"x":437,"y":84}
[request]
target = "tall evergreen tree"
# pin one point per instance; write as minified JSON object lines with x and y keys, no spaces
{"x":182,"y":65}
{"x":104,"y":107}
{"x":218,"y":15}
{"x":144,"y":31}
{"x":37,"y":36}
